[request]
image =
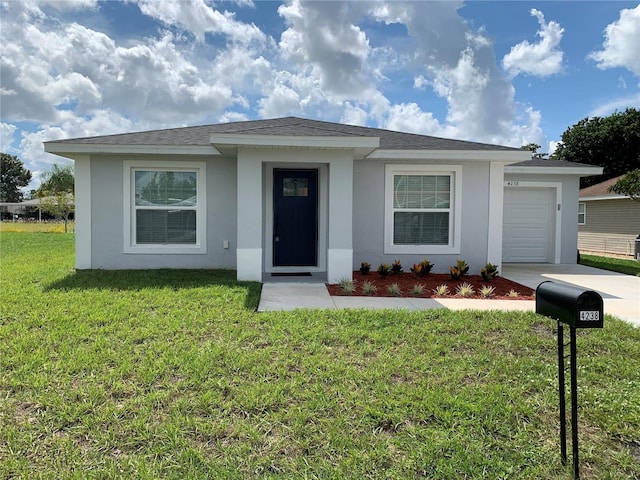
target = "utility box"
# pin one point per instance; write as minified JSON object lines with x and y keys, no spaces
{"x":570,"y":305}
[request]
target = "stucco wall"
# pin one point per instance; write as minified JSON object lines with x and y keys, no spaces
{"x":369,"y":208}
{"x":255,"y":253}
{"x":569,"y":209}
{"x":107,"y":217}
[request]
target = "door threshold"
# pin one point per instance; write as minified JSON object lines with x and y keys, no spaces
{"x":291,"y":274}
{"x":288,"y":277}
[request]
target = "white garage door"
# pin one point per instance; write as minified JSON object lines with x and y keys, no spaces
{"x":528,"y":225}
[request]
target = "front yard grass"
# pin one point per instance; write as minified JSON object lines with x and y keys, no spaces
{"x":33,"y":227}
{"x":172,"y":374}
{"x":620,"y":265}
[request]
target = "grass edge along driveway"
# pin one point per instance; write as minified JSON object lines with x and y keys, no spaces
{"x":171,"y":374}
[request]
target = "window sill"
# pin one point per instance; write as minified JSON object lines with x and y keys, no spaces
{"x":421,"y":250}
{"x":165,"y":249}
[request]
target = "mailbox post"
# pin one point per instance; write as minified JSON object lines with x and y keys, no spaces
{"x":578,"y":309}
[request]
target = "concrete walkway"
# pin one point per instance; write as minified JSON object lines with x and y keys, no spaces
{"x":621,"y":293}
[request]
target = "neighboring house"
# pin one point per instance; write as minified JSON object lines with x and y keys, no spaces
{"x":295,"y":195}
{"x":20,"y":208}
{"x":607,"y":222}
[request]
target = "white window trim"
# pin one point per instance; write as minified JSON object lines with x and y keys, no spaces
{"x":455,"y":223}
{"x":129,"y":245}
{"x":584,"y":213}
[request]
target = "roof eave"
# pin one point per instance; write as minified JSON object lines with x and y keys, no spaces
{"x":72,"y":150}
{"x":604,"y":197}
{"x":581,"y":171}
{"x":364,"y":145}
{"x":240,"y":139}
{"x":510,"y":156}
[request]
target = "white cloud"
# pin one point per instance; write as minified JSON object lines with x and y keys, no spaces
{"x":7,"y":132}
{"x":242,"y":69}
{"x":553,"y":145}
{"x":322,"y":35}
{"x":619,"y":104}
{"x":73,"y":80}
{"x":282,"y":100}
{"x":540,"y":59}
{"x":65,"y":4}
{"x":437,"y":27}
{"x":420,"y":83}
{"x":526,"y":132}
{"x":354,"y":115}
{"x":621,"y":46}
{"x":410,"y":118}
{"x":154,"y":81}
{"x":199,"y":18}
{"x":233,"y":117}
{"x":460,"y":67}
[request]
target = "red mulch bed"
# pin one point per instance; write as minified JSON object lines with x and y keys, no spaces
{"x":406,"y":281}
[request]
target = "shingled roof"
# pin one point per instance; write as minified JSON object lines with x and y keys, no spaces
{"x":288,"y":126}
{"x":546,"y":162}
{"x":600,"y":189}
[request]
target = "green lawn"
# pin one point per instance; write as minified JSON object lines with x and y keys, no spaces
{"x":172,"y":374}
{"x":621,"y":265}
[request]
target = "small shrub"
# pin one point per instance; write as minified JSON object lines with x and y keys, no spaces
{"x":384,"y":269}
{"x":347,"y":286}
{"x":441,"y":290}
{"x":416,"y":269}
{"x":422,"y":268}
{"x":459,"y":270}
{"x":417,"y":289}
{"x":513,"y":294}
{"x":364,"y":268}
{"x":487,"y":291}
{"x":489,"y":271}
{"x":394,"y":290}
{"x":464,"y":290}
{"x":426,"y":266}
{"x":369,"y":288}
{"x":396,"y":267}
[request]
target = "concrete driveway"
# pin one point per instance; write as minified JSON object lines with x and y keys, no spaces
{"x":620,"y":293}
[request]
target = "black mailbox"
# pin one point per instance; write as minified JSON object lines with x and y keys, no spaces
{"x":570,"y":305}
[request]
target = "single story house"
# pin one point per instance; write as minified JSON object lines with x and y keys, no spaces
{"x":20,"y":208}
{"x":607,"y":222}
{"x":292,"y":195}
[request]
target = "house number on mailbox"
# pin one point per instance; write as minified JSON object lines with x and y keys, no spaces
{"x":590,"y":316}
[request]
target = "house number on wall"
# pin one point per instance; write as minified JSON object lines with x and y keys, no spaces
{"x":513,"y":183}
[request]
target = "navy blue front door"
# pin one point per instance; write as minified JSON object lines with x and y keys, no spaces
{"x":295,"y":218}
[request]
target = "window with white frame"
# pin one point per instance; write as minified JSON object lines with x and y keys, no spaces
{"x":582,"y":213}
{"x":422,"y":209}
{"x":164,"y":207}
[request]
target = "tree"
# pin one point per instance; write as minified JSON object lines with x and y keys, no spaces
{"x":533,"y":148}
{"x":56,"y":192}
{"x":13,"y":176}
{"x":58,"y":179}
{"x":611,"y":142}
{"x":629,"y":185}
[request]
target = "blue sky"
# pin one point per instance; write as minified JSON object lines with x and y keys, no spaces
{"x":501,"y":72}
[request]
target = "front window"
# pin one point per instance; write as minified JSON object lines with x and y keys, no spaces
{"x":166,"y":207}
{"x":166,"y":203}
{"x":422,"y":203}
{"x":582,"y":214}
{"x":421,"y":209}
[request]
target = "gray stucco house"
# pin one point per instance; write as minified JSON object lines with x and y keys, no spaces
{"x":291,"y":194}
